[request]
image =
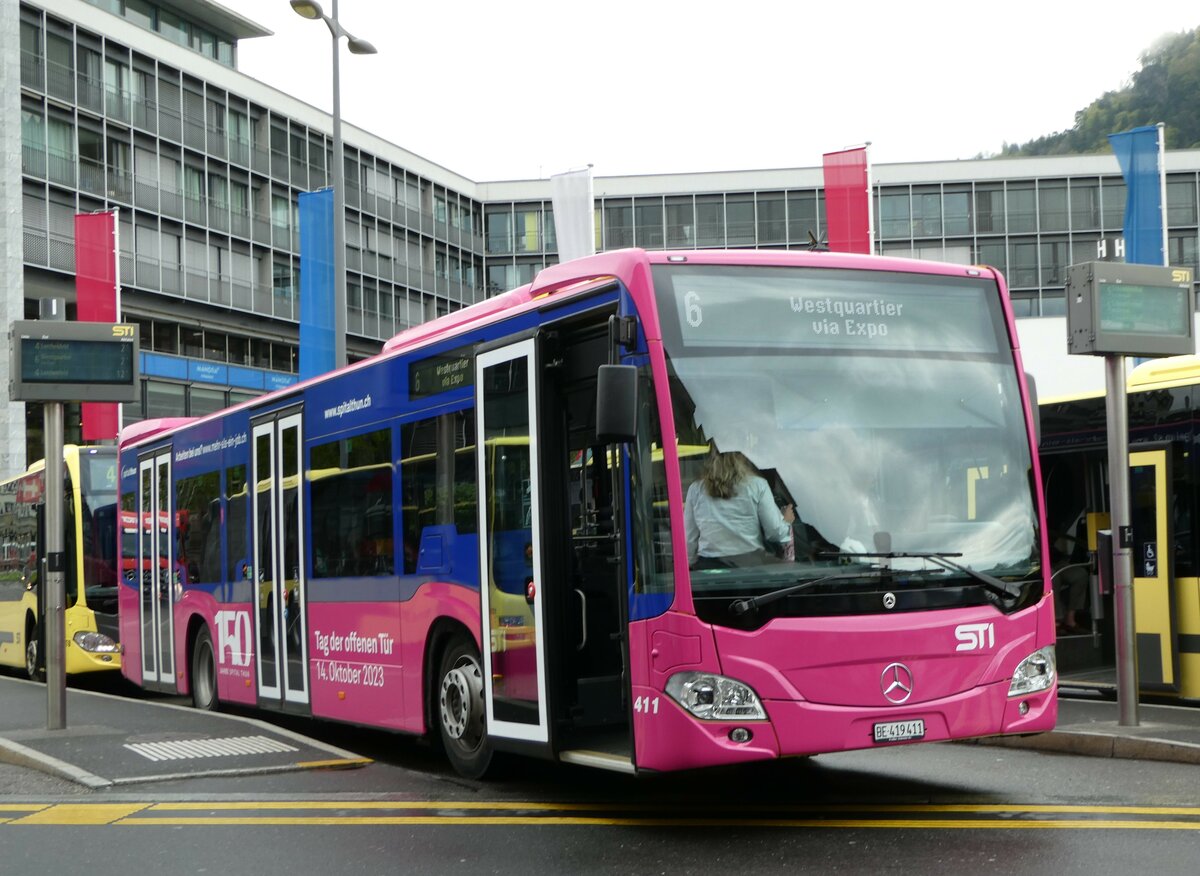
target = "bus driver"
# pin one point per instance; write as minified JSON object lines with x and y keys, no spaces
{"x":730,"y":515}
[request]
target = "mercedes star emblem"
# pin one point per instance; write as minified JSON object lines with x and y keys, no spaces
{"x":889,"y":600}
{"x":897,"y":683}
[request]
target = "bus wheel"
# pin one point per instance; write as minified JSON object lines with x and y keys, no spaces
{"x":204,"y":673}
{"x":460,"y":709}
{"x":32,"y":671}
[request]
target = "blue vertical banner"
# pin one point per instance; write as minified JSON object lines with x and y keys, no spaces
{"x":316,"y":283}
{"x":1138,"y":154}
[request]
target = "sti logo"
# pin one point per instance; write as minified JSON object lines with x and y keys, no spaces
{"x":123,"y":331}
{"x":233,"y":636}
{"x":975,"y":637}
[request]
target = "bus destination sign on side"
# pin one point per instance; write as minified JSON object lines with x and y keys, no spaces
{"x":74,"y":361}
{"x":1129,"y":310}
{"x":450,"y":370}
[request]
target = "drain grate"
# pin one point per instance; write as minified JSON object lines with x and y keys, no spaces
{"x":186,"y":749}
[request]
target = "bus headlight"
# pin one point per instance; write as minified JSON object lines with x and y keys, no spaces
{"x":95,"y":643}
{"x":715,"y":697}
{"x":1036,"y":672}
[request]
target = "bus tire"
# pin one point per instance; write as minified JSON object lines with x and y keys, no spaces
{"x":204,"y":673}
{"x":459,"y":698}
{"x":33,"y":670}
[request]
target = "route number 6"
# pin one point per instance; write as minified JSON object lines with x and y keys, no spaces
{"x":691,"y":306}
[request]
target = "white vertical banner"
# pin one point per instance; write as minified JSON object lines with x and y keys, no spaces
{"x":574,"y":213}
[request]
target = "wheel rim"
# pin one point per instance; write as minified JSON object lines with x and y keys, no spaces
{"x":31,"y":653}
{"x":461,"y":703}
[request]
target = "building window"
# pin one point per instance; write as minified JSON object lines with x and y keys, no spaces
{"x":927,"y":213}
{"x":989,"y":210}
{"x":499,"y":232}
{"x":1056,"y":258}
{"x":165,"y":399}
{"x":681,"y":223}
{"x":1112,"y":194}
{"x":1022,"y":208}
{"x":710,"y":221}
{"x":618,"y":224}
{"x":1181,"y":203}
{"x":739,"y":220}
{"x":1052,"y":207}
{"x":1023,"y":265}
{"x":771,"y":217}
{"x":956,"y":217}
{"x":894,"y":220}
{"x":1085,"y":205}
{"x":648,"y":221}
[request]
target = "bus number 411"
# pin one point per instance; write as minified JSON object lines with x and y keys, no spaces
{"x":647,"y":705}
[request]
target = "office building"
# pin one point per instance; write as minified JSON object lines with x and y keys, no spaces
{"x":137,"y":105}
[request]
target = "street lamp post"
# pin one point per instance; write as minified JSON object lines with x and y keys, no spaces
{"x":310,"y":9}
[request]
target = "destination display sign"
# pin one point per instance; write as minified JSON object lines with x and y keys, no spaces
{"x":442,"y":373}
{"x":800,"y":308}
{"x":1129,"y":310}
{"x":74,"y":361}
{"x":1132,"y":307}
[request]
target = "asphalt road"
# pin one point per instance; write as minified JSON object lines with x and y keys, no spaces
{"x":906,"y":810}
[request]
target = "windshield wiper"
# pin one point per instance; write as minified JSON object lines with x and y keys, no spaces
{"x":942,"y":558}
{"x":744,"y":606}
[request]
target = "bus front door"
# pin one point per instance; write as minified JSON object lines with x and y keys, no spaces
{"x":281,"y":619}
{"x":156,"y":561}
{"x":510,"y":549}
{"x":1153,"y":572}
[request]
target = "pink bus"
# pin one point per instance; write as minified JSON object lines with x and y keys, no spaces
{"x":480,"y":534}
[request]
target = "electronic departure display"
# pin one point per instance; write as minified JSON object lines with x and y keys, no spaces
{"x":74,"y":361}
{"x":1129,"y":310}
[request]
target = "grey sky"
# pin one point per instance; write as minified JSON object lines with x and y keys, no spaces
{"x":523,"y":90}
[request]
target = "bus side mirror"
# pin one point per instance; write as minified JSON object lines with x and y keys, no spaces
{"x":616,"y":403}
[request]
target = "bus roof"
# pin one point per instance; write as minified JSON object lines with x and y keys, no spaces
{"x":576,"y":277}
{"x":1161,"y":373}
{"x":589,"y":272}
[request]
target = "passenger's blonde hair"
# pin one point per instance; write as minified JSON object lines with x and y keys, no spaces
{"x":723,"y":472}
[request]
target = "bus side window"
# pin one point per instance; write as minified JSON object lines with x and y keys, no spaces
{"x":437,"y":483}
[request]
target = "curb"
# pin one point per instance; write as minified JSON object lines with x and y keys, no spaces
{"x":1088,"y":744}
{"x":18,"y":755}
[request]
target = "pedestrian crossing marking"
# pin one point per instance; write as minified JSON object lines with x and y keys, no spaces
{"x":188,"y":749}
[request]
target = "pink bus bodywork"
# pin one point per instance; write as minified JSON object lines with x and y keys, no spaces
{"x":824,"y":682}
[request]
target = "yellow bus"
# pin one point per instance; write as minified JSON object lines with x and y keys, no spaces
{"x":1164,"y":489}
{"x":90,"y":542}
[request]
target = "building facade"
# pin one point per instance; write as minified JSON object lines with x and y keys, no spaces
{"x":138,"y":106}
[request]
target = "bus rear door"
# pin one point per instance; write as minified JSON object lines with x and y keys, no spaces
{"x":281,"y":618}
{"x":156,"y":563}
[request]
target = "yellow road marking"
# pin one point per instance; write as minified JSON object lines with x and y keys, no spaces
{"x":81,"y":813}
{"x":538,"y":806}
{"x":542,"y":820}
{"x":334,"y":764}
{"x":409,"y":812}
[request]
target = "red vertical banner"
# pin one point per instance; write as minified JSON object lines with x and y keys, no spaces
{"x":96,"y":301}
{"x":848,"y":200}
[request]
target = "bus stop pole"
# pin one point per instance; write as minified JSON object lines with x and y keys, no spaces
{"x":1118,"y":484}
{"x":54,"y":619}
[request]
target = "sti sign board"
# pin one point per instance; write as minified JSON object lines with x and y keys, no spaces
{"x":1129,"y":310}
{"x":73,"y":361}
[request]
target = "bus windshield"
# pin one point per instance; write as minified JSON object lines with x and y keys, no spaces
{"x":883,"y":406}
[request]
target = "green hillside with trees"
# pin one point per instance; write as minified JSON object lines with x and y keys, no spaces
{"x":1166,"y":89}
